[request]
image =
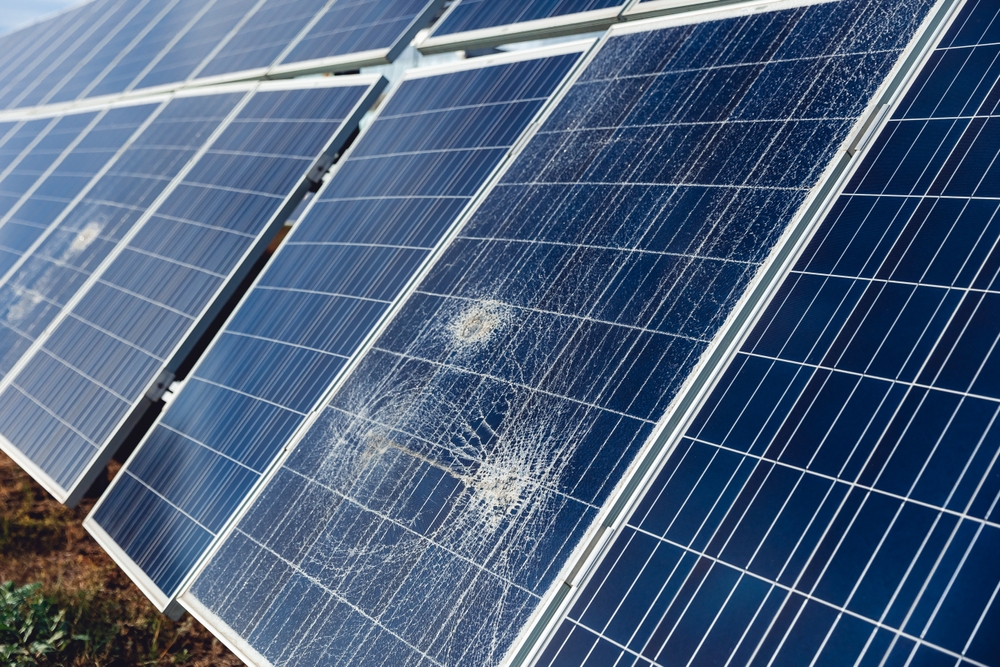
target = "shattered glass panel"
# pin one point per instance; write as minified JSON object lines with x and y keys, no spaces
{"x":837,"y":500}
{"x":433,"y":144}
{"x":437,"y":496}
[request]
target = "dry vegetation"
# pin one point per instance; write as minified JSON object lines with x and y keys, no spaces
{"x":42,"y":541}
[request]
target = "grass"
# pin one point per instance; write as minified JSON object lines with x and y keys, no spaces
{"x":104,"y":620}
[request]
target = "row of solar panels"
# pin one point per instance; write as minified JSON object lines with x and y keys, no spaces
{"x":110,"y":47}
{"x":502,"y":393}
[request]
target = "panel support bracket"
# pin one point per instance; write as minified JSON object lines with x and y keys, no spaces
{"x":160,"y":386}
{"x":318,"y":171}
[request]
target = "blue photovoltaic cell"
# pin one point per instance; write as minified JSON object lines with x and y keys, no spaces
{"x":835,"y":502}
{"x":58,"y":167}
{"x":180,"y":22}
{"x":111,"y":46}
{"x":262,"y":36}
{"x":416,"y":168}
{"x":195,"y":44}
{"x":356,"y":26}
{"x":435,"y":499}
{"x":46,"y":279}
{"x":481,"y":14}
{"x":93,"y":369}
{"x":72,"y":82}
{"x":18,"y":172}
{"x":32,"y":149}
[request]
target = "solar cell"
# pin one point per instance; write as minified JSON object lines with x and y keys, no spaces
{"x":427,"y":510}
{"x":360,"y":31}
{"x":102,"y":43}
{"x":103,"y":363}
{"x":130,"y":67}
{"x":16,"y":141}
{"x":114,"y":46}
{"x":398,"y":191}
{"x":194,"y":44}
{"x":30,"y":152}
{"x":72,"y":82}
{"x":14,"y":44}
{"x":481,"y":23}
{"x":835,"y":500}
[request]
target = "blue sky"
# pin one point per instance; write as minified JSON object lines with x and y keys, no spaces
{"x":18,"y":13}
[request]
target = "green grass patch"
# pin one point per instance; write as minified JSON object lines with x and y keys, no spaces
{"x":66,"y":604}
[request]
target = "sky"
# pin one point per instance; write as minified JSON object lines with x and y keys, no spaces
{"x":16,"y":14}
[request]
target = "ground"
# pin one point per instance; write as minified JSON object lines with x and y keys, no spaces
{"x":42,"y":541}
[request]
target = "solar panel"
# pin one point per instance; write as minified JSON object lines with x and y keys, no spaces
{"x":114,"y":46}
{"x":482,"y":23}
{"x":143,"y":18}
{"x":109,"y":356}
{"x":835,"y":501}
{"x":79,"y":239}
{"x":73,"y":68}
{"x":195,"y":43}
{"x":398,"y":191}
{"x":427,"y":510}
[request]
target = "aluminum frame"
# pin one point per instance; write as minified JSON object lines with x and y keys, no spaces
{"x":637,"y":9}
{"x":72,"y":495}
{"x":642,"y":472}
{"x":685,"y":12}
{"x":556,"y":26}
{"x":183,"y":598}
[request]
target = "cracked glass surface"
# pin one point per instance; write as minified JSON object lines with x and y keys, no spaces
{"x":436,"y":498}
{"x":426,"y":154}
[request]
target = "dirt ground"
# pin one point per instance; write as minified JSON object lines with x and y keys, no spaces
{"x":42,"y":541}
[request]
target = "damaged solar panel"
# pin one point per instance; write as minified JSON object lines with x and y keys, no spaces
{"x":429,"y":508}
{"x":438,"y":137}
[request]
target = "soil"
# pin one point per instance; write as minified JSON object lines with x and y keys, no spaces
{"x":42,"y":541}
